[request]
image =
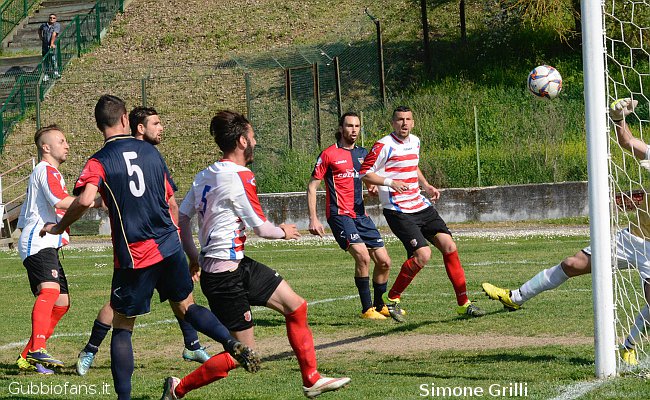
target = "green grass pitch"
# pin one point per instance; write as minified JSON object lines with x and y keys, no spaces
{"x":546,"y":348}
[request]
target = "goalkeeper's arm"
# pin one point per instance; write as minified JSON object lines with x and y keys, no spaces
{"x":630,"y":143}
{"x":618,"y":111}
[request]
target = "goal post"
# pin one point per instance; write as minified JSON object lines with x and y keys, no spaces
{"x":595,"y":94}
{"x":616,"y":65}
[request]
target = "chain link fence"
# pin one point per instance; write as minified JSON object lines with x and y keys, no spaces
{"x":24,"y":91}
{"x":293,"y":99}
{"x":12,"y":12}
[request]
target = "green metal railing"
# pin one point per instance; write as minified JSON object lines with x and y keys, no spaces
{"x":11,"y":13}
{"x":78,"y":37}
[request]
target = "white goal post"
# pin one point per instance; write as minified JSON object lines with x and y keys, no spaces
{"x":598,"y":173}
{"x":616,"y":64}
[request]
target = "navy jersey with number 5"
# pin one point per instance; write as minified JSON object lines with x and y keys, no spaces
{"x":135,"y":184}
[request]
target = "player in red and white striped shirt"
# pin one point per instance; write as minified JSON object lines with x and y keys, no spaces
{"x":392,"y":165}
{"x":46,"y":200}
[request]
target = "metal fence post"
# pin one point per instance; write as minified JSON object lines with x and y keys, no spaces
{"x":23,"y":106}
{"x":2,"y":130}
{"x":362,"y":131}
{"x":380,"y":57}
{"x":337,"y":82}
{"x":380,"y":61}
{"x":78,"y":32}
{"x":143,"y":87}
{"x":425,"y":35}
{"x":59,"y":64}
{"x":247,"y":82}
{"x":38,"y":104}
{"x":463,"y":27}
{"x":98,"y":23}
{"x":287,"y":74}
{"x":122,"y":6}
{"x":478,"y":155}
{"x":317,"y":103}
{"x":25,"y":8}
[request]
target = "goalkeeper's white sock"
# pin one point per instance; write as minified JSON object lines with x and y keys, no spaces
{"x":637,"y":328}
{"x":547,"y":279}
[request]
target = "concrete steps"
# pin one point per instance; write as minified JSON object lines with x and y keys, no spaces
{"x":26,"y":37}
{"x":11,"y":68}
{"x":25,"y":40}
{"x":20,"y":64}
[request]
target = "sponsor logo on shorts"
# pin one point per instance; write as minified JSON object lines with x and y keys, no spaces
{"x":247,"y":316}
{"x":414,"y":242}
{"x":354,"y":236}
{"x":55,"y":273}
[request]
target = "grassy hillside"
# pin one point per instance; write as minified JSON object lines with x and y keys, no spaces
{"x":521,"y":138}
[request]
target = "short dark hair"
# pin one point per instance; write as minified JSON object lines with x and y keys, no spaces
{"x":38,"y":136}
{"x":337,"y":135}
{"x":139,"y":116}
{"x":108,"y":111}
{"x":401,"y":109}
{"x":227,"y":127}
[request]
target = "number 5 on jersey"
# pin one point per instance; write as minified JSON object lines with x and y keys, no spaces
{"x":137,"y":187}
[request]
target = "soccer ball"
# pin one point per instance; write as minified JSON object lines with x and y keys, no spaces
{"x":545,"y":81}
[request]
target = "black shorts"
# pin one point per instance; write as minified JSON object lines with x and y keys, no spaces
{"x":45,"y":266}
{"x":132,"y":289}
{"x":348,"y":230}
{"x":231,"y":294}
{"x":415,"y":229}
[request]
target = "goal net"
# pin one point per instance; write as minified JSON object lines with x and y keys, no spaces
{"x":627,"y":70}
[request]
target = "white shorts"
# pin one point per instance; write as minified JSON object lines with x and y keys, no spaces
{"x":631,"y":251}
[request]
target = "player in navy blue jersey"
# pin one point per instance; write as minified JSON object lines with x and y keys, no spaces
{"x":353,"y":230}
{"x":145,"y":125}
{"x":134,"y":183}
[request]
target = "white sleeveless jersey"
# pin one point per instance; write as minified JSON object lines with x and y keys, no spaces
{"x":46,"y":188}
{"x":392,"y":157}
{"x":224,"y":196}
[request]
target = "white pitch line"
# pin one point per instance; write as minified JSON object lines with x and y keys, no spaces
{"x":67,"y":275}
{"x":576,"y":390}
{"x":22,"y":343}
{"x":569,"y":392}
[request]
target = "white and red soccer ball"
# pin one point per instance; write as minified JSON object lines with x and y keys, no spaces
{"x":545,"y":81}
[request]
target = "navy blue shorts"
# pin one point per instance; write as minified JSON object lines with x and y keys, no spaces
{"x":348,"y":230}
{"x":45,"y":266}
{"x":132,"y":289}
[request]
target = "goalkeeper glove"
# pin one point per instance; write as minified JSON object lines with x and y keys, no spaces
{"x":621,"y":108}
{"x":645,"y":164}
